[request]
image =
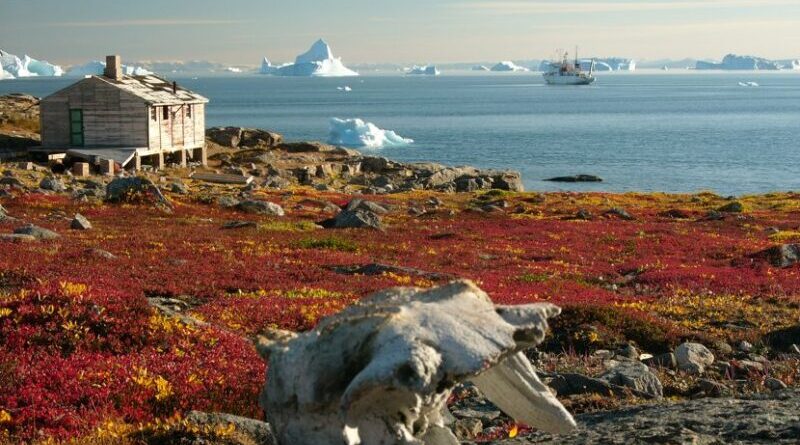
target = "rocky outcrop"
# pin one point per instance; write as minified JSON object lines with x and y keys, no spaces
{"x":37,"y":232}
{"x":693,"y":358}
{"x":784,"y":255}
{"x":382,"y":370}
{"x":135,"y":189}
{"x":237,"y":137}
{"x":768,"y":419}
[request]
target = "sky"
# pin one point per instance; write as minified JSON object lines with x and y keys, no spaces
{"x":241,"y":32}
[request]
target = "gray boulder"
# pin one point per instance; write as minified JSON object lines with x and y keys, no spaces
{"x":53,"y":184}
{"x":635,"y":375}
{"x":128,"y":189}
{"x":261,"y":207}
{"x":80,"y":223}
{"x":37,"y":232}
{"x":255,"y":430}
{"x":227,"y":201}
{"x":693,"y":358}
{"x":785,"y":255}
{"x":354,"y":219}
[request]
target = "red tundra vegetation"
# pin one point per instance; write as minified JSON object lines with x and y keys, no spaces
{"x":82,"y":352}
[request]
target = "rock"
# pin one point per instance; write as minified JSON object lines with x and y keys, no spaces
{"x":306,"y":147}
{"x":236,"y":137}
{"x":763,"y":419}
{"x":14,"y":182}
{"x":467,"y":429}
{"x":238,"y":224}
{"x":664,"y":361}
{"x":100,"y":253}
{"x":511,"y":181}
{"x":362,"y":204}
{"x":693,"y":358}
{"x":226,"y":201}
{"x":583,"y":215}
{"x":628,"y":351}
{"x":785,"y":255}
{"x":277,"y":182}
{"x":675,"y":214}
{"x":745,"y":346}
{"x":354,"y":219}
{"x":128,"y":189}
{"x":732,"y":207}
{"x":785,"y":339}
{"x":374,"y":269}
{"x":36,"y":232}
{"x":16,"y":237}
{"x":620,"y":213}
{"x":746,"y":368}
{"x":53,"y":184}
{"x":576,"y":178}
{"x":484,"y":414}
{"x":382,"y":370}
{"x":710,"y":388}
{"x":466,"y":185}
{"x":774,"y":384}
{"x":261,"y":207}
{"x":256,"y":431}
{"x":636,"y":375}
{"x":80,"y":223}
{"x":179,"y":188}
{"x":713,"y":215}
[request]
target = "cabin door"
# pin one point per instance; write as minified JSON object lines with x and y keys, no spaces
{"x":76,"y":127}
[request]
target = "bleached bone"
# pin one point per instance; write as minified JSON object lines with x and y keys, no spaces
{"x":381,"y":371}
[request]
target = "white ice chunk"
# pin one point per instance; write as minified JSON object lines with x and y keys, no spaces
{"x":358,"y":133}
{"x":508,"y":66}
{"x":27,"y":66}
{"x":96,"y":68}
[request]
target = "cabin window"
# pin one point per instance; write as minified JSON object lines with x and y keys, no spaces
{"x":189,"y":110}
{"x":165,"y":114}
{"x":153,"y":113}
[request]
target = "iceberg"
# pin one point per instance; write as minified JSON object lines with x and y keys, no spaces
{"x":27,"y":66}
{"x":508,"y":66}
{"x":96,"y":68}
{"x":749,"y":84}
{"x":427,"y":70}
{"x":480,"y":68}
{"x":360,"y":134}
{"x":233,"y":69}
{"x":345,"y":88}
{"x":318,"y":61}
{"x":741,"y":63}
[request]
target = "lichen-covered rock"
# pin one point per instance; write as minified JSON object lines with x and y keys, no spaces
{"x":51,"y":183}
{"x":693,"y":357}
{"x":260,"y":207}
{"x":79,"y":222}
{"x":635,"y":375}
{"x":382,"y":370}
{"x":135,"y":189}
{"x":784,"y":255}
{"x":354,"y":219}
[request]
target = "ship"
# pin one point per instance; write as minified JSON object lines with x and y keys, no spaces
{"x":569,"y":73}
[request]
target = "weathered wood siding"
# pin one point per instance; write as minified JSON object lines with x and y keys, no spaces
{"x":180,"y":130}
{"x":111,"y":117}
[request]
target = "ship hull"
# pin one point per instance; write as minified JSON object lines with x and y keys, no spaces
{"x":568,"y":80}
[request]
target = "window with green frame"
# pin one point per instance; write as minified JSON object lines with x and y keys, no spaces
{"x":76,"y":127}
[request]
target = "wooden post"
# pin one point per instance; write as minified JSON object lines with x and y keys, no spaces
{"x":182,"y":155}
{"x":203,"y":156}
{"x":160,"y":161}
{"x":107,"y":167}
{"x":80,"y":169}
{"x":137,"y":162}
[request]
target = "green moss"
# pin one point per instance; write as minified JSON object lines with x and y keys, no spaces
{"x":329,"y":243}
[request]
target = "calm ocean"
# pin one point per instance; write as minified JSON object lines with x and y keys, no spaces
{"x":681,"y":132}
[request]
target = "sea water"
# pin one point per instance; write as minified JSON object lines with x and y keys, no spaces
{"x":638,"y":131}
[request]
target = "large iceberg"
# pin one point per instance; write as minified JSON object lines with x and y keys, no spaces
{"x":743,"y":63}
{"x":27,"y":66}
{"x":360,"y":134}
{"x":480,"y":68}
{"x":508,"y":66}
{"x":427,"y":70}
{"x":318,"y":61}
{"x":96,"y":68}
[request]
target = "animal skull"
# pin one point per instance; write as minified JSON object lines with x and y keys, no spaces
{"x":381,"y":371}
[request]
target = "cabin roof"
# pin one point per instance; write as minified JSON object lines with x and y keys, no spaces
{"x":154,"y":90}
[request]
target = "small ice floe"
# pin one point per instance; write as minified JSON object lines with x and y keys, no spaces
{"x":749,"y":84}
{"x":360,"y":134}
{"x":345,"y":88}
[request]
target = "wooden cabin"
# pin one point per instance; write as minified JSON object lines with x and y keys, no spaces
{"x":127,"y":119}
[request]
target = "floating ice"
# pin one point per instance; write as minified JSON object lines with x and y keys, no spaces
{"x":480,"y":68}
{"x":749,"y":84}
{"x":318,"y":61}
{"x":96,"y":68}
{"x":358,"y":133}
{"x":233,"y":69}
{"x":345,"y":88}
{"x":508,"y":66}
{"x":26,"y":67}
{"x":427,"y":70}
